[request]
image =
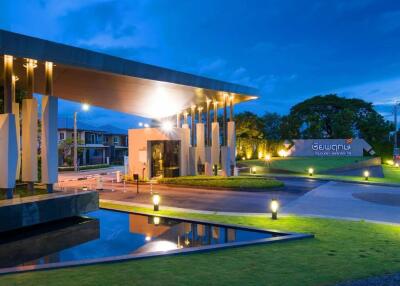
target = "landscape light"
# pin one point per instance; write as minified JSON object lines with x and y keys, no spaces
{"x":84,"y":188}
{"x":268,"y":157}
{"x":366,"y":175}
{"x":396,"y":165}
{"x":244,"y":158}
{"x":282,"y":153}
{"x":85,"y":107}
{"x":140,"y":124}
{"x":167,"y":126}
{"x":156,"y":202}
{"x":156,"y":220}
{"x":310,"y":171}
{"x":254,"y":170}
{"x":148,"y":238}
{"x":146,"y":125}
{"x":274,"y":206}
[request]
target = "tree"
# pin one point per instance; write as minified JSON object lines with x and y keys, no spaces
{"x":66,"y":148}
{"x":331,"y":116}
{"x":272,"y":126}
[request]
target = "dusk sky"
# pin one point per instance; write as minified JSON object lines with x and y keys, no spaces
{"x":290,"y":50}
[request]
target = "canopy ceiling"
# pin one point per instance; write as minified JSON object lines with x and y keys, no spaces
{"x":114,"y":83}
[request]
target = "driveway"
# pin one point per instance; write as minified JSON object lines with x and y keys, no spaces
{"x":200,"y":199}
{"x":349,"y":200}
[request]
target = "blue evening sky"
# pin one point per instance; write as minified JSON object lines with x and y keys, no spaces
{"x":290,"y":50}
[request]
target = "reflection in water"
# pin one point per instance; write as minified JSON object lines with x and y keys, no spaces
{"x":109,"y":234}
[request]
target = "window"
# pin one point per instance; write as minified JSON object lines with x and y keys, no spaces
{"x":116,"y":140}
{"x":62,"y":136}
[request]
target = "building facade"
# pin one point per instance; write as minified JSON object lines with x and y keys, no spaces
{"x":96,"y":145}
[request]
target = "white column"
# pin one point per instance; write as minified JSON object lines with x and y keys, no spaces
{"x":49,"y":148}
{"x":185,"y":145}
{"x":232,"y":143}
{"x":215,"y":143}
{"x":29,"y":140}
{"x":200,"y":142}
{"x":16,"y":112}
{"x":225,"y":161}
{"x":29,"y":129}
{"x":8,"y":151}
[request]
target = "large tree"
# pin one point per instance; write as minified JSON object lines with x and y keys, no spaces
{"x":272,"y":125}
{"x":331,"y":116}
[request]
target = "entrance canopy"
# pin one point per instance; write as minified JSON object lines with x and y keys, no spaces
{"x":114,"y":83}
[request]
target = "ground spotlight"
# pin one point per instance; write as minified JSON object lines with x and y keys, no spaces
{"x":366,"y":175}
{"x":274,"y":206}
{"x":310,"y":171}
{"x":396,"y":165}
{"x":156,"y":202}
{"x":254,"y":170}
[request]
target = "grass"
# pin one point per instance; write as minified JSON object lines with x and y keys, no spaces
{"x":235,"y":183}
{"x":22,"y":191}
{"x":342,"y":250}
{"x":301,"y":164}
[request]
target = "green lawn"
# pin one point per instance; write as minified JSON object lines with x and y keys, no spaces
{"x":21,"y":192}
{"x":235,"y":183}
{"x":342,"y":250}
{"x":301,"y":164}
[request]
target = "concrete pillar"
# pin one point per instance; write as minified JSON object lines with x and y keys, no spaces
{"x":9,"y":153}
{"x":8,"y":136}
{"x":16,"y":112}
{"x":192,"y":125}
{"x":178,"y":120}
{"x":224,"y":120}
{"x":232,"y":143}
{"x":185,"y":145}
{"x":215,"y":144}
{"x":200,"y":143}
{"x":225,"y":161}
{"x":49,"y":132}
{"x":193,"y":161}
{"x":29,"y":129}
{"x":208,"y":123}
{"x":208,"y":163}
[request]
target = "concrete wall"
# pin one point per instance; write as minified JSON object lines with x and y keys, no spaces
{"x":139,"y":157}
{"x":17,"y":213}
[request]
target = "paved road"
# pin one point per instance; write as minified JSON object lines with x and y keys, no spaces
{"x":202,"y":199}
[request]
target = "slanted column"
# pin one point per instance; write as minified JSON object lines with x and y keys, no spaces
{"x":192,"y":149}
{"x":225,"y":150}
{"x":231,"y":142}
{"x":49,"y":132}
{"x":185,"y":145}
{"x":16,"y":112}
{"x":200,"y":143}
{"x":8,"y":135}
{"x":215,"y":144}
{"x":178,"y":120}
{"x":207,"y":150}
{"x":29,"y":129}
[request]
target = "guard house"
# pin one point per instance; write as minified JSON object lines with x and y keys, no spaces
{"x":194,"y":144}
{"x":61,"y":71}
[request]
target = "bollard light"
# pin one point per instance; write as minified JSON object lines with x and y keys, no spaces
{"x":396,"y":165}
{"x":268,"y":157}
{"x":84,"y":188}
{"x":254,"y":170}
{"x":310,"y":171}
{"x":366,"y":175}
{"x":274,"y":206}
{"x":156,"y":202}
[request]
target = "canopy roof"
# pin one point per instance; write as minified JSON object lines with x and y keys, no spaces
{"x":115,"y":83}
